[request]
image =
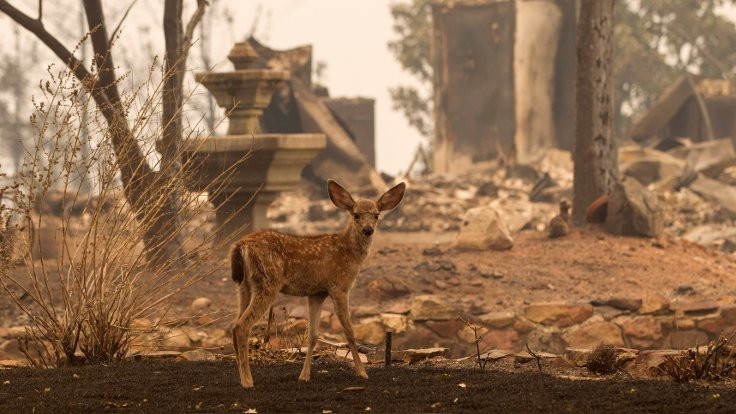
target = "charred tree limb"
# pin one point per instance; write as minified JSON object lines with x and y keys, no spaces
{"x":193,"y":23}
{"x":36,"y":27}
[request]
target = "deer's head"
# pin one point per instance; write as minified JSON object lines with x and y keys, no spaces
{"x":365,"y":213}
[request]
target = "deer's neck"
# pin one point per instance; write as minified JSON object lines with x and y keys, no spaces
{"x":356,"y":242}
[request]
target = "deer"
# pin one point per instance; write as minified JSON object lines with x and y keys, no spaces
{"x":267,"y":262}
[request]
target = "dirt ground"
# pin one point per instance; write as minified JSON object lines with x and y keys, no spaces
{"x":213,"y":387}
{"x":586,"y":265}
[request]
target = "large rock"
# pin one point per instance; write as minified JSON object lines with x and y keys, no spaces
{"x":545,"y":338}
{"x":593,"y":334}
{"x":504,"y":338}
{"x":200,"y":304}
{"x":446,"y":329}
{"x":483,"y":229}
{"x":396,"y":323}
{"x":714,"y":325}
{"x":414,"y":355}
{"x":633,"y":211}
{"x":558,"y":313}
{"x":681,"y":339}
{"x":578,"y":356}
{"x":467,"y":335}
{"x":654,"y":303}
{"x":497,"y":320}
{"x":12,"y":363}
{"x":370,"y":331}
{"x":431,"y":307}
{"x":389,"y":287}
{"x":642,"y":331}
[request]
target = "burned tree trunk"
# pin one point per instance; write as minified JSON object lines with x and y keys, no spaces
{"x":594,"y":152}
{"x":165,"y":223}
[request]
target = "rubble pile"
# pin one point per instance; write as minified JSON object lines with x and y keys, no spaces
{"x":699,"y":200}
{"x":438,"y":203}
{"x":694,"y":186}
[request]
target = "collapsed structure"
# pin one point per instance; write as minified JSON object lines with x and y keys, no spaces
{"x":299,"y":106}
{"x":504,"y":80}
{"x":694,"y":108}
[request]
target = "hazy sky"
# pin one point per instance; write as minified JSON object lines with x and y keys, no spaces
{"x":350,"y":36}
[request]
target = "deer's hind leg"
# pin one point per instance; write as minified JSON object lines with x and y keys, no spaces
{"x":315,"y":306}
{"x":243,"y":302}
{"x":260,"y":300}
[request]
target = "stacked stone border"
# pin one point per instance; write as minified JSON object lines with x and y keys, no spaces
{"x":648,"y":323}
{"x":643,"y":326}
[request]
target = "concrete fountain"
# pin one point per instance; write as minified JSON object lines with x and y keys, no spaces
{"x":248,"y":169}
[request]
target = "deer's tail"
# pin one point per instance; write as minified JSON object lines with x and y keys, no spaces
{"x":237,"y":263}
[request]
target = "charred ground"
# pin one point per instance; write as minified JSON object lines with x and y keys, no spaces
{"x":213,"y":387}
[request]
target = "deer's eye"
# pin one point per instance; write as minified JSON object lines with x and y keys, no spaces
{"x":356,"y":216}
{"x":376,"y":216}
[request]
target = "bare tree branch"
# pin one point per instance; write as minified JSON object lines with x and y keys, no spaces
{"x":122,"y":19}
{"x":193,"y":22}
{"x":34,"y":26}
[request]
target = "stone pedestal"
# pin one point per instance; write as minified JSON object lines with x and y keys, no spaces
{"x":239,"y":213}
{"x":244,"y":174}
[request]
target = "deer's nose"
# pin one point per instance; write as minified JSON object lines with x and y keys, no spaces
{"x":367,"y":231}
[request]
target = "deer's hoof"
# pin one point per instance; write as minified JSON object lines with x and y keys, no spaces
{"x":305,"y":377}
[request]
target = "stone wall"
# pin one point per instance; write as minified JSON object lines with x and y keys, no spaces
{"x":639,"y":323}
{"x":429,"y":321}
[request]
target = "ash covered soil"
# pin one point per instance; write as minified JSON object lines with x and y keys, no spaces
{"x":213,"y":387}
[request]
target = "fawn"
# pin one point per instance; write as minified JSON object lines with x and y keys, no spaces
{"x":267,"y":262}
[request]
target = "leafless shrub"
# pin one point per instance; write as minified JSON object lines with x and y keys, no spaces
{"x":716,"y":362}
{"x":478,"y":337}
{"x":82,"y":299}
{"x":602,"y":360}
{"x":535,"y":356}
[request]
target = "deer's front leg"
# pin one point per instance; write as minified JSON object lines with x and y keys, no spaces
{"x":342,"y":309}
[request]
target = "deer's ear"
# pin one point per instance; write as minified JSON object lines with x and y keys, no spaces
{"x":391,"y":198}
{"x":339,"y":196}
